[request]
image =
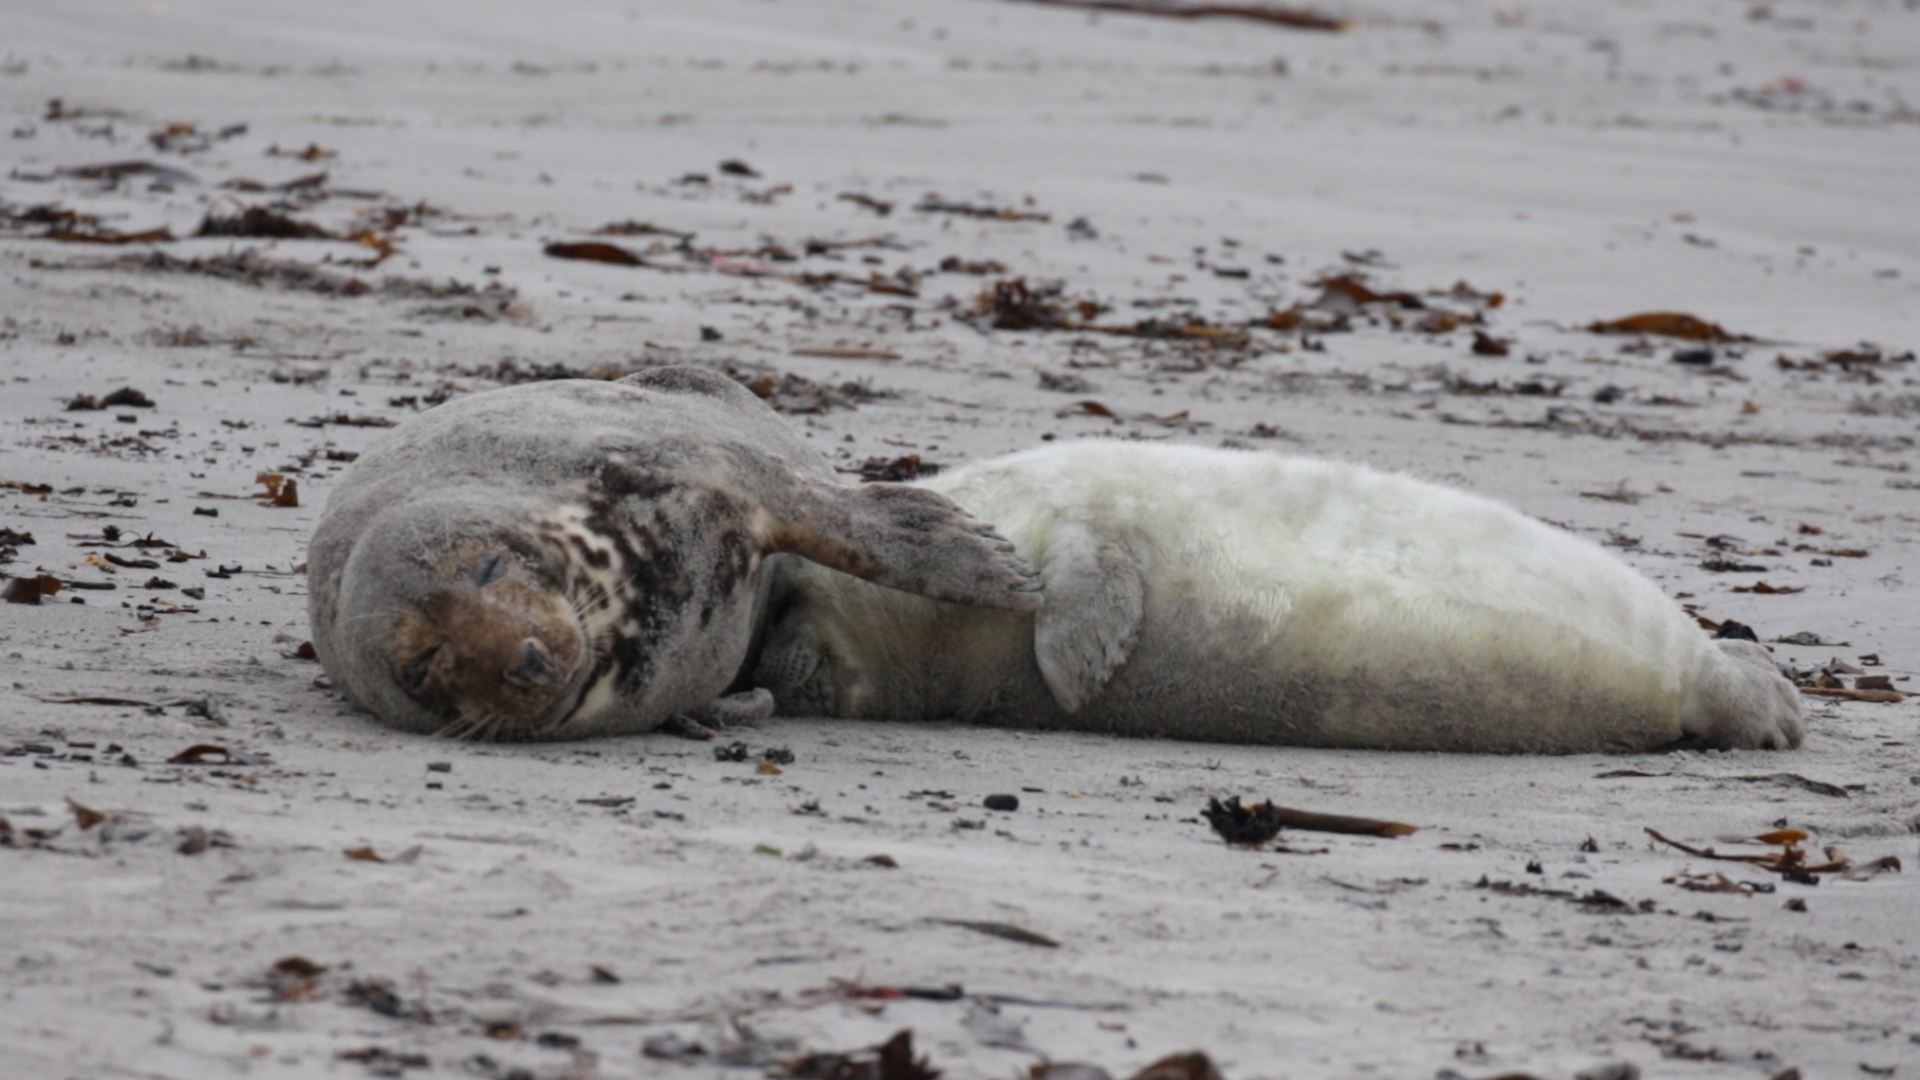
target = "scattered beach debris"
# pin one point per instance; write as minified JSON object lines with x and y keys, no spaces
{"x":846,"y":352}
{"x":379,"y":996}
{"x":1272,"y":14}
{"x":215,"y":754}
{"x":1673,"y":324}
{"x":1007,"y":931}
{"x":1829,"y":679}
{"x":595,"y":251}
{"x":310,"y":152}
{"x":366,"y":853}
{"x":1865,"y":363}
{"x":934,"y":204}
{"x":280,"y":489}
{"x":897,"y":470}
{"x":797,"y":395}
{"x":30,"y":590}
{"x":1260,"y":823}
{"x":294,"y":978}
{"x":895,"y":1059}
{"x":124,"y":398}
{"x":1592,"y":900}
{"x":866,"y":202}
{"x":195,"y":839}
{"x":1790,"y":861}
{"x":264,"y":222}
{"x":381,"y":1061}
{"x":891,"y":1060}
{"x":954,"y":264}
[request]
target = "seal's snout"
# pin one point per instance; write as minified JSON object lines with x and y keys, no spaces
{"x":536,"y":668}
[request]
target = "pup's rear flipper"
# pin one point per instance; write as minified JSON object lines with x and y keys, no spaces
{"x":1742,"y":702}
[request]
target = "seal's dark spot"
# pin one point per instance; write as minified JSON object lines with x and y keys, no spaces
{"x":1737,"y":630}
{"x":622,"y":480}
{"x":592,"y":556}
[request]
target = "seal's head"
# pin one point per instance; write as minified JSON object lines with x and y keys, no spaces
{"x":493,"y":648}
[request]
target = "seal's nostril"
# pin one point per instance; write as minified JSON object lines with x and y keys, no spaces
{"x":536,"y":668}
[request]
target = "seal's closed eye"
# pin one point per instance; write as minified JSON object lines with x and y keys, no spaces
{"x":414,"y":675}
{"x":489,"y":569}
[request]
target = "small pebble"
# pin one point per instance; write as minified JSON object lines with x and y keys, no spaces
{"x":1002,"y":802}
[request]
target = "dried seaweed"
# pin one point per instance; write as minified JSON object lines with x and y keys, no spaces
{"x":595,"y":251}
{"x":261,"y":221}
{"x":1673,"y":324}
{"x":1790,"y":861}
{"x":893,"y":470}
{"x":31,"y":590}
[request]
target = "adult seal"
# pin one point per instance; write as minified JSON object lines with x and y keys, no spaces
{"x":579,"y":558}
{"x":1249,"y":597}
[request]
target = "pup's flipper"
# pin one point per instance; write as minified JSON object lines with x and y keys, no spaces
{"x":1096,"y":593}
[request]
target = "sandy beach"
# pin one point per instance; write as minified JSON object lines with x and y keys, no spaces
{"x":1648,"y":272}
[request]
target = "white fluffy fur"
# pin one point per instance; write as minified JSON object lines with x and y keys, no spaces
{"x":1252,"y":597}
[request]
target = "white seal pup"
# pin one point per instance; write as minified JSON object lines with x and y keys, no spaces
{"x":577,"y":558}
{"x":1243,"y":596}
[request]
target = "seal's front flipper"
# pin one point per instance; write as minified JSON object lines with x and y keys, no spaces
{"x":744,"y":707}
{"x":682,"y":726}
{"x":724,"y":712}
{"x":1096,"y":593}
{"x":906,"y":538}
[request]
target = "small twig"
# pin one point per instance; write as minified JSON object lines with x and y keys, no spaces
{"x":1007,"y":931}
{"x":1709,"y":853}
{"x":1296,"y":18}
{"x":1340,"y":823}
{"x":1885,"y":696}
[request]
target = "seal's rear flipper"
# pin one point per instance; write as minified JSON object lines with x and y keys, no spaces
{"x":906,"y":538}
{"x":1096,"y":593}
